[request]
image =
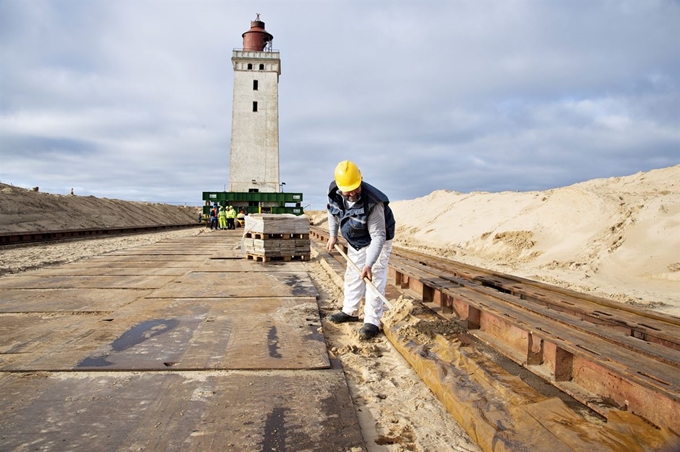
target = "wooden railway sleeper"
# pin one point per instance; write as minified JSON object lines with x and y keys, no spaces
{"x":654,"y":330}
{"x":562,"y":354}
{"x":419,"y":281}
{"x":658,"y":327}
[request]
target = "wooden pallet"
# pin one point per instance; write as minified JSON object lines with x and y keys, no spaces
{"x":263,"y":236}
{"x":261,"y":258}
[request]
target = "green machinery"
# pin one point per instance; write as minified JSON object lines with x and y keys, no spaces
{"x":254,"y":202}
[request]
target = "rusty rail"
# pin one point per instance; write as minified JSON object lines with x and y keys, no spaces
{"x":605,"y":354}
{"x":16,"y":238}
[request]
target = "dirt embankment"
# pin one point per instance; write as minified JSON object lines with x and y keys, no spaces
{"x":24,"y":210}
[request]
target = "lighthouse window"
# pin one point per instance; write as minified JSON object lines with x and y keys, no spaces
{"x":254,"y":106}
{"x":250,"y":65}
{"x":254,"y":85}
{"x":262,"y":67}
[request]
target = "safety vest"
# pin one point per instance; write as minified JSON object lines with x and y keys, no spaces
{"x":222,"y":214}
{"x":354,"y":221}
{"x":231,"y":213}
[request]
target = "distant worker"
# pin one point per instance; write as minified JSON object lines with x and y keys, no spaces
{"x":362,"y":214}
{"x":231,"y":214}
{"x":213,"y":218}
{"x":241,"y":218}
{"x":222,"y":215}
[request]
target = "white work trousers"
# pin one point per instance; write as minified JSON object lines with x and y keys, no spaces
{"x":355,"y":288}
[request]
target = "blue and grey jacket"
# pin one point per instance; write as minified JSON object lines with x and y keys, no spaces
{"x":354,"y":220}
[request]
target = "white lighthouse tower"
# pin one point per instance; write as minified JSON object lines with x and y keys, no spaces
{"x":254,"y":156}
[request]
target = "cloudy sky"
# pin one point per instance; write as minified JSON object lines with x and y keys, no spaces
{"x":131,"y":99}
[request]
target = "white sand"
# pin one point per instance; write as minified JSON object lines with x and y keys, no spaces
{"x":618,"y":238}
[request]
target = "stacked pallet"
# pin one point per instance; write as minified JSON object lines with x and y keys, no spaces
{"x":282,"y":237}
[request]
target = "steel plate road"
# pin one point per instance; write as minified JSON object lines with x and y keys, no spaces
{"x":211,"y":351}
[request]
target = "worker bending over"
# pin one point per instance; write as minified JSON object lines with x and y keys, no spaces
{"x":362,"y":214}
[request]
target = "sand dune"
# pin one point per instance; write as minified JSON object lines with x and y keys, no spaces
{"x":617,"y":237}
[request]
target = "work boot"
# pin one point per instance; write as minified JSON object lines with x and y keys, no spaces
{"x":341,"y":317}
{"x":368,"y":331}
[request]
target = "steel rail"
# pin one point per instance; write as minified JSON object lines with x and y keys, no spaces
{"x":605,"y":355}
{"x":17,"y":238}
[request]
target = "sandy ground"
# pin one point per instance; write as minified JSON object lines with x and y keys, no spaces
{"x":616,"y":238}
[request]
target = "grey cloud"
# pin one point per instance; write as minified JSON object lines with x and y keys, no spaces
{"x":133,"y":99}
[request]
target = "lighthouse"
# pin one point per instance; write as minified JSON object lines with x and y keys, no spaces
{"x":254,"y":155}
{"x":254,"y":182}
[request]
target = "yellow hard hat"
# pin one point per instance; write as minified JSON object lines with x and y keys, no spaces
{"x":347,"y":176}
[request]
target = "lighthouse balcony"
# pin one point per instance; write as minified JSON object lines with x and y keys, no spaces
{"x":264,"y":54}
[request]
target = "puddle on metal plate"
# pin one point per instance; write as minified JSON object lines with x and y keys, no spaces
{"x":134,"y":336}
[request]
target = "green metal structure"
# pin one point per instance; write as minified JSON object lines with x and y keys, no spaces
{"x":254,"y":202}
